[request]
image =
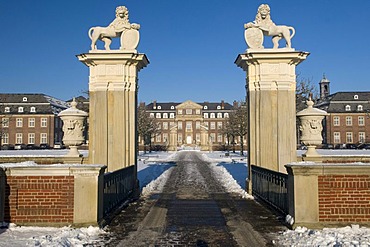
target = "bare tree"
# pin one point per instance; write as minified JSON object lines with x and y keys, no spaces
{"x":237,"y":124}
{"x":304,"y":88}
{"x":4,"y":120}
{"x":147,"y":126}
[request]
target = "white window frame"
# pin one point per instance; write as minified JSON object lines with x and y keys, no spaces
{"x":189,"y":111}
{"x":33,"y":109}
{"x":197,"y":111}
{"x":219,"y":125}
{"x":349,"y":137}
{"x":226,"y":115}
{"x":20,"y":109}
{"x":165,"y":115}
{"x":219,"y":115}
{"x":179,"y":125}
{"x":361,"y":121}
{"x":189,"y":125}
{"x":5,"y":122}
{"x":31,"y":138}
{"x":151,"y":115}
{"x":31,"y":122}
{"x":43,"y":138}
{"x":179,"y":111}
{"x":165,"y":125}
{"x":213,"y":125}
{"x":24,"y":99}
{"x":5,"y":138}
{"x":348,"y":120}
{"x":18,"y":138}
{"x":348,"y":108}
{"x":205,"y":115}
{"x":19,"y":123}
{"x":219,"y":137}
{"x":172,"y":115}
{"x":158,"y":138}
{"x":361,"y":137}
{"x":7,"y":109}
{"x":336,"y":137}
{"x":336,"y":121}
{"x":158,"y":115}
{"x":44,"y":122}
{"x":197,"y":125}
{"x":212,"y":115}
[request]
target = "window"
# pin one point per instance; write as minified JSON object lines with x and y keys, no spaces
{"x":159,"y":125}
{"x":360,"y":108}
{"x":159,"y":107}
{"x":205,"y":115}
{"x":348,"y":107}
{"x":33,"y":109}
{"x":20,"y":109}
{"x":172,"y":115}
{"x":219,"y":138}
{"x":5,"y":122}
{"x":31,"y":122}
{"x":157,"y":115}
{"x":349,"y":138}
{"x":179,"y":111}
{"x":165,"y":137}
{"x":179,"y":138}
{"x":197,"y":111}
{"x":219,"y":115}
{"x":349,"y":121}
{"x":197,"y":125}
{"x":355,"y":96}
{"x":337,"y":137}
{"x":218,"y":107}
{"x":212,"y":137}
{"x":165,"y":125}
{"x":31,"y":138}
{"x":158,"y":138}
{"x":336,"y":121}
{"x":188,"y":125}
{"x":172,"y":107}
{"x":213,"y":125}
{"x":165,"y":115}
{"x":172,"y":124}
{"x":18,"y":138}
{"x":197,"y":137}
{"x":361,"y":120}
{"x":43,"y":138}
{"x":24,"y":99}
{"x":361,"y":137}
{"x":5,"y":138}
{"x":44,"y":122}
{"x":213,"y":115}
{"x":179,"y":125}
{"x":7,"y":109}
{"x":189,"y":111}
{"x":206,"y":124}
{"x":151,"y":115}
{"x":226,"y":115}
{"x":219,"y":125}
{"x":205,"y":107}
{"x":19,"y":122}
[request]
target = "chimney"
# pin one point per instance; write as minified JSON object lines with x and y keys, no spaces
{"x":154,"y":104}
{"x":222,"y":104}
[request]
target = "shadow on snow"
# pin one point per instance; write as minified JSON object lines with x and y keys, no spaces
{"x":152,"y":172}
{"x":239,"y":171}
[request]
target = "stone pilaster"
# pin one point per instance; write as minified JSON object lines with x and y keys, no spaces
{"x":271,"y":86}
{"x":113,"y":106}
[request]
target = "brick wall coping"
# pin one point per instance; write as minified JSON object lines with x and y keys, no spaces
{"x":312,"y":168}
{"x":52,"y":170}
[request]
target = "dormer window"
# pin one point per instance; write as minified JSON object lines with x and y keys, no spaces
{"x":360,"y":108}
{"x":151,"y":115}
{"x":33,"y":109}
{"x":355,"y":96}
{"x":172,"y":107}
{"x":218,"y":107}
{"x":205,"y":107}
{"x":348,"y":107}
{"x":24,"y":99}
{"x":7,"y":109}
{"x":20,"y":109}
{"x":159,"y":107}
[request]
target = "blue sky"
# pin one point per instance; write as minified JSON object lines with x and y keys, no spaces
{"x":191,"y":44}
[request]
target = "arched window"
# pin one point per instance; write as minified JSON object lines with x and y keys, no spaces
{"x":24,"y":99}
{"x":7,"y":109}
{"x":355,"y":96}
{"x":165,"y":115}
{"x":20,"y":109}
{"x":158,"y":115}
{"x":172,"y":107}
{"x":218,"y":107}
{"x":226,"y":115}
{"x":205,"y":107}
{"x":219,"y":115}
{"x":159,"y":107}
{"x":360,"y":108}
{"x":172,"y":115}
{"x":151,"y":115}
{"x":213,"y":115}
{"x":33,"y":109}
{"x":348,"y":107}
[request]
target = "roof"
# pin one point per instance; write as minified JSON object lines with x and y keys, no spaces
{"x":171,"y":106}
{"x":337,"y":102}
{"x":43,"y":104}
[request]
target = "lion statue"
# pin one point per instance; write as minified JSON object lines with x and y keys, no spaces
{"x":118,"y":26}
{"x":269,"y":28}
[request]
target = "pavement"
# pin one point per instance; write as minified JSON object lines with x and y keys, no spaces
{"x":193,"y":210}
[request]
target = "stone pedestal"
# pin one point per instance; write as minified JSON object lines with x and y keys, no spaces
{"x":271,"y":84}
{"x":113,"y":106}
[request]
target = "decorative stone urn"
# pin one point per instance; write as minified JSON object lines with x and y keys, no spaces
{"x":73,"y":127}
{"x":311,"y":127}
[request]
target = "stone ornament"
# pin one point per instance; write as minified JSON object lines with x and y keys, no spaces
{"x":73,"y":128}
{"x":264,"y":26}
{"x":311,"y":127}
{"x":120,"y":27}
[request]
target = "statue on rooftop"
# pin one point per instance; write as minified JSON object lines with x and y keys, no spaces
{"x":264,"y":26}
{"x":120,"y":27}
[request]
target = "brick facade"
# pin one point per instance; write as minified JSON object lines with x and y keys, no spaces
{"x":39,"y":199}
{"x":344,"y":198}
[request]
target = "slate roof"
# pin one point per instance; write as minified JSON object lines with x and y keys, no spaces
{"x":166,"y":106}
{"x":337,"y":102}
{"x":44,"y":104}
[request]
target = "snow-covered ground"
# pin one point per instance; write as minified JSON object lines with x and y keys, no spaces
{"x":153,"y":171}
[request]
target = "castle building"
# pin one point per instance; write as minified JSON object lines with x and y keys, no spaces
{"x":348,"y":119}
{"x":30,"y":119}
{"x":190,"y":124}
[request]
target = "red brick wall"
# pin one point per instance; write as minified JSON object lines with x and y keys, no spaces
{"x":41,"y":199}
{"x":344,"y":198}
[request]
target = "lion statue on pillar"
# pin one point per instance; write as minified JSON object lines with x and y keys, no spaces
{"x":120,"y":27}
{"x":264,"y":23}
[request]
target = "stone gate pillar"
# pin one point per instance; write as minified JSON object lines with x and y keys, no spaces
{"x":271,"y":87}
{"x":113,"y":106}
